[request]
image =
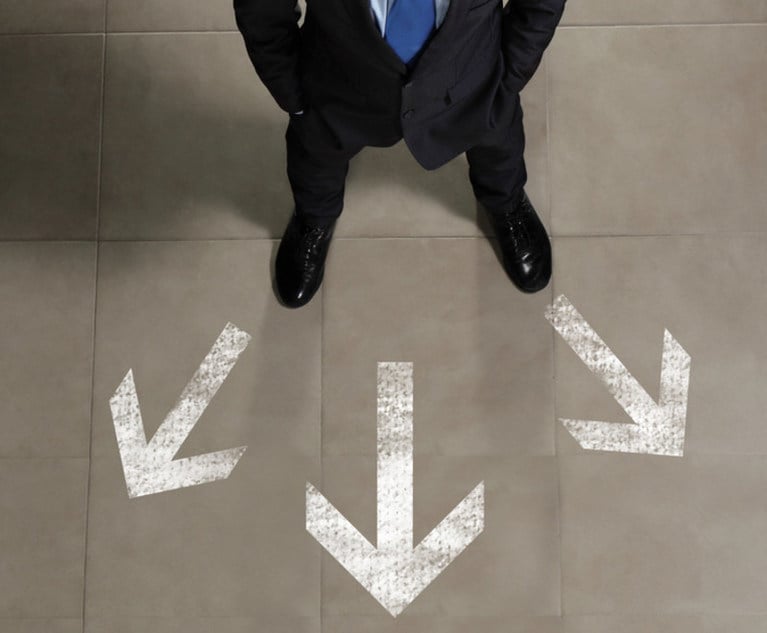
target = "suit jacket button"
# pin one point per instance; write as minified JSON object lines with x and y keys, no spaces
{"x":407,"y":114}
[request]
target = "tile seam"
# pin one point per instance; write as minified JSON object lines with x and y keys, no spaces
{"x":95,"y":314}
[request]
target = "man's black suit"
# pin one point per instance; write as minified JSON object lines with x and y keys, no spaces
{"x":460,"y":93}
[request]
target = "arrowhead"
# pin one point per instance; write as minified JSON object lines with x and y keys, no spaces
{"x":144,"y":472}
{"x":607,"y":436}
{"x":149,"y":467}
{"x":659,"y":428}
{"x":146,"y":477}
{"x":395,"y":579}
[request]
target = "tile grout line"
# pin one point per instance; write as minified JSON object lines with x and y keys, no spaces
{"x":558,"y":468}
{"x":99,"y":170}
{"x":322,"y":416}
{"x":90,"y":434}
{"x":627,"y":25}
{"x":654,"y":25}
{"x":556,"y":462}
{"x":57,"y":34}
{"x":547,"y":80}
{"x":703,"y":234}
{"x":549,"y":189}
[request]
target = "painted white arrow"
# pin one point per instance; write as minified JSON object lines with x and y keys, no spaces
{"x":149,"y":467}
{"x":394,"y":572}
{"x":660,"y":427}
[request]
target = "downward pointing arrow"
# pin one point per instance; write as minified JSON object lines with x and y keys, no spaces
{"x":149,"y":467}
{"x":394,"y":572}
{"x":660,"y":427}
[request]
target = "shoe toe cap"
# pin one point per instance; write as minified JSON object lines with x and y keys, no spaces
{"x":530,"y":274}
{"x":292,"y":291}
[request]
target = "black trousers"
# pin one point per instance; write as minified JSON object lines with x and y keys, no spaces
{"x":317,"y":165}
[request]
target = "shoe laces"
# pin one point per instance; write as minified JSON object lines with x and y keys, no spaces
{"x":309,"y":250}
{"x":516,"y":228}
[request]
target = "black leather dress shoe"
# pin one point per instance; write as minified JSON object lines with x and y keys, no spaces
{"x":301,"y":260}
{"x":525,"y":245}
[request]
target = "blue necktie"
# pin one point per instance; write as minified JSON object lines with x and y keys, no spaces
{"x":408,"y":25}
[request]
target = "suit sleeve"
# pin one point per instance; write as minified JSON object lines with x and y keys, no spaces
{"x":272,"y":40}
{"x":528,"y":28}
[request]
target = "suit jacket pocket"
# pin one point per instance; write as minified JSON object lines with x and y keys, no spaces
{"x":328,"y":76}
{"x":314,"y":131}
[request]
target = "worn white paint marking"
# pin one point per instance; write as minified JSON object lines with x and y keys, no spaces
{"x":393,"y":571}
{"x":149,"y":467}
{"x":660,"y":427}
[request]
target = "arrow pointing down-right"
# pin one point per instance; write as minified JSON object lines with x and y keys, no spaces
{"x":659,"y":427}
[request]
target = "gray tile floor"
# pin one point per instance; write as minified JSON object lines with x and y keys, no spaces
{"x":143,"y":196}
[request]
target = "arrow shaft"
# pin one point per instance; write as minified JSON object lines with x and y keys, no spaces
{"x":198,"y":392}
{"x":601,"y":360}
{"x":395,"y":456}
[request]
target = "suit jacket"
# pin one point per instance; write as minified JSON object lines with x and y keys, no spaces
{"x":339,"y":68}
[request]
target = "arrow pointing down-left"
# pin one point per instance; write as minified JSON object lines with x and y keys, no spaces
{"x":149,"y":467}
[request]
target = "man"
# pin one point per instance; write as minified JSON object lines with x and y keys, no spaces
{"x":445,"y":75}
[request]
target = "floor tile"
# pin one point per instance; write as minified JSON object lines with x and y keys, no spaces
{"x":389,"y":194}
{"x":161,"y":307}
{"x":659,"y":12}
{"x":210,"y":164}
{"x":203,"y":625}
{"x":46,"y":352}
{"x":731,"y":491}
{"x":42,"y":537}
{"x":50,"y":105}
{"x":67,"y":16}
{"x":708,"y":291}
{"x":653,"y":130}
{"x":451,"y":624}
{"x":481,"y":349}
{"x":511,"y":569}
{"x":233,"y":548}
{"x":733,"y":623}
{"x":156,"y":15}
{"x":645,"y":623}
{"x":632,"y":535}
{"x":645,"y":534}
{"x":43,"y":625}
